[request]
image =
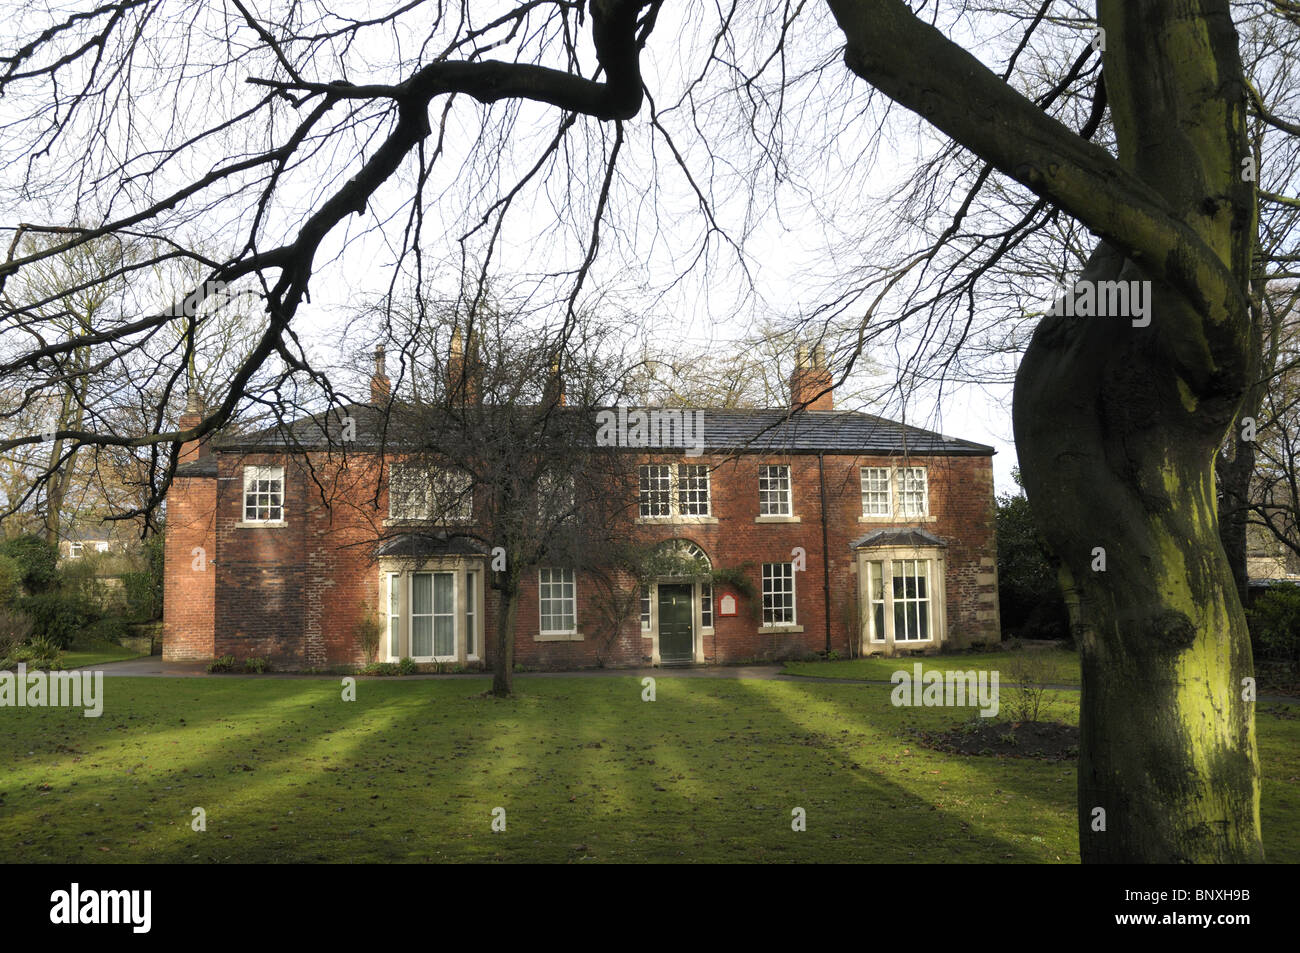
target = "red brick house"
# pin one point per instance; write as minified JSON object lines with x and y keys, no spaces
{"x":857,"y":534}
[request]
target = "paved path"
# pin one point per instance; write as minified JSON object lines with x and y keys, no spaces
{"x":154,"y":666}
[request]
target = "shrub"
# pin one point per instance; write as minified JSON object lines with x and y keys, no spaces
{"x":407,"y":667}
{"x":79,"y":579}
{"x":256,"y":665}
{"x":1027,"y":675}
{"x":369,"y":632}
{"x":379,"y":668}
{"x":143,"y":585}
{"x":224,"y":664}
{"x":1029,"y":595}
{"x":11,"y":578}
{"x":111,"y":628}
{"x":15,"y":628}
{"x":1274,"y":621}
{"x":57,"y":616}
{"x":38,"y":562}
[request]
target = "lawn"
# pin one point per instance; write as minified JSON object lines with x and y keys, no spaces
{"x":95,"y":653}
{"x":1050,"y":665}
{"x":585,"y":770}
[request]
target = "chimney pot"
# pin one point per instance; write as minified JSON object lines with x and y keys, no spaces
{"x":810,"y":382}
{"x":380,"y":386}
{"x":193,"y":416}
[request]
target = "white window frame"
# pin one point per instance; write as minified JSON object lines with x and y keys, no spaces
{"x":544,"y":574}
{"x":398,"y":572}
{"x":471,"y":614}
{"x":409,"y":471}
{"x":651,"y":482}
{"x":906,"y":511}
{"x":456,"y":626}
{"x":393,"y":613}
{"x":896,"y":485}
{"x":935,"y":600}
{"x":787,"y":573}
{"x":888,"y":490}
{"x":681,"y":489}
{"x":769,"y":494}
{"x":675,"y":488}
{"x":75,"y":550}
{"x":647,"y":610}
{"x":438,"y":481}
{"x":262,"y":474}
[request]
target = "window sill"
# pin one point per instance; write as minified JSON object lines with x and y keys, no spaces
{"x":261,"y":524}
{"x":665,"y":520}
{"x":771,"y":629}
{"x":778,"y":519}
{"x":894,"y":520}
{"x":558,"y":637}
{"x":402,"y":521}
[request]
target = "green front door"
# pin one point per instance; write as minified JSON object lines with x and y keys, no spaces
{"x":675,"y":615}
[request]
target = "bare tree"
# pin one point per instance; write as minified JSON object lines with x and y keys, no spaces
{"x":323,"y":128}
{"x":499,"y":449}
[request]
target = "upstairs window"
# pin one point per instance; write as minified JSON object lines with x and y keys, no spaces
{"x":429,"y":493}
{"x":876,"y":499}
{"x":656,"y":490}
{"x":913,"y":492}
{"x":668,"y":491}
{"x":774,"y":491}
{"x":901,"y":493}
{"x":693,"y":489}
{"x":263,"y":494}
{"x":410,"y":493}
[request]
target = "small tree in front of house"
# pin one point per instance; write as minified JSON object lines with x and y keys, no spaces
{"x":502,"y":436}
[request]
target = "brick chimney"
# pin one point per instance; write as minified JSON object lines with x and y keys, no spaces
{"x":380,"y":386}
{"x":193,"y":416}
{"x":809,"y":379}
{"x":554,"y":392}
{"x":463,"y":373}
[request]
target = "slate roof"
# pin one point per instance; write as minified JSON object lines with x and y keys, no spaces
{"x":421,"y":545}
{"x":767,"y":431}
{"x":202,"y":467}
{"x":897,"y":537}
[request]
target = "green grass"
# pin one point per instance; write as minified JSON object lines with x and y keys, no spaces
{"x":96,"y":653}
{"x":1053,"y":666}
{"x":585,"y":769}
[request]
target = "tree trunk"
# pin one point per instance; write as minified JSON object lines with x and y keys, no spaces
{"x":1117,"y":456}
{"x":1235,"y":474}
{"x":503,"y":666}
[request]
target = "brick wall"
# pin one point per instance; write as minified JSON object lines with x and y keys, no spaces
{"x":189,"y":579}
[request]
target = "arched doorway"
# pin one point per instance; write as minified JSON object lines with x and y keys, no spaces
{"x":680,"y":602}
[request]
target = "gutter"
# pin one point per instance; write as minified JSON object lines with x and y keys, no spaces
{"x":826,"y":564}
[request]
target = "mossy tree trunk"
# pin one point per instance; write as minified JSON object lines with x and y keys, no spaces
{"x":1117,"y":425}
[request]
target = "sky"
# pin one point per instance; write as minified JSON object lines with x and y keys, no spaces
{"x":795,"y":184}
